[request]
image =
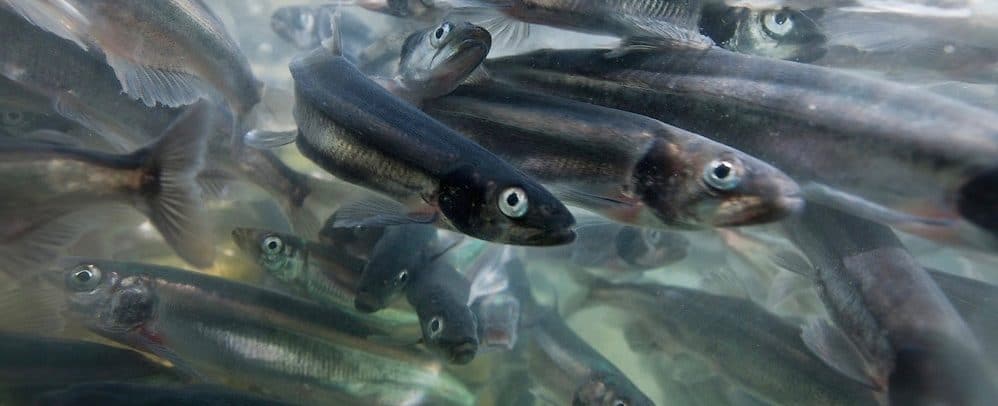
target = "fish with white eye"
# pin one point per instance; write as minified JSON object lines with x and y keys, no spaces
{"x":436,"y":326}
{"x":12,"y":118}
{"x":440,"y":35}
{"x":84,"y":278}
{"x":402,"y":277}
{"x":272,"y":245}
{"x":722,"y":174}
{"x":513,"y":202}
{"x":777,"y":23}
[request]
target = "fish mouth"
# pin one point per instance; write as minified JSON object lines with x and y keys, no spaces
{"x":755,"y":210}
{"x":544,"y":238}
{"x":367,"y":302}
{"x":463,"y":353}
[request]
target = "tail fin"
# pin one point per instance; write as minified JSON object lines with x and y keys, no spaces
{"x":171,"y":197}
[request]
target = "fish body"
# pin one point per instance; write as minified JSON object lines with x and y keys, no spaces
{"x":768,"y":359}
{"x":118,"y":393}
{"x":397,"y":257}
{"x":440,"y":296}
{"x":633,"y":169}
{"x":434,"y":61}
{"x":359,"y":132}
{"x":971,"y":298}
{"x":920,"y":151}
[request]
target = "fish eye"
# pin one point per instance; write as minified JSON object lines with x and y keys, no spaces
{"x":12,"y":118}
{"x":272,"y":245}
{"x":619,"y":402}
{"x":403,"y":276}
{"x":722,"y":174}
{"x":436,"y":326}
{"x":306,"y":21}
{"x":513,"y":202}
{"x":653,"y":236}
{"x":777,"y":23}
{"x":84,"y":278}
{"x":440,"y":34}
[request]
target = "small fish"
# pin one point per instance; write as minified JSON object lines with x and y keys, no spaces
{"x":806,"y":120}
{"x":614,"y":249}
{"x":122,"y":394}
{"x":46,"y":362}
{"x":168,"y":52}
{"x":562,"y":362}
{"x":249,"y":337}
{"x":784,"y":33}
{"x":768,"y":357}
{"x":623,"y":166}
{"x":437,"y":174}
{"x":400,"y":253}
{"x":498,"y":318}
{"x":435,"y":61}
{"x":157,"y":180}
{"x":305,"y":27}
{"x":440,"y":296}
{"x":885,"y":304}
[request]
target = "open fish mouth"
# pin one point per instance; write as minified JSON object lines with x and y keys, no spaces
{"x":463,"y":353}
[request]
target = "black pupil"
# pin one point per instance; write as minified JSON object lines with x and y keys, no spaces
{"x":512,"y":199}
{"x":722,"y":171}
{"x":440,"y":32}
{"x":435,"y":325}
{"x":781,"y":18}
{"x":83,"y":276}
{"x":272,"y":245}
{"x":403,"y":276}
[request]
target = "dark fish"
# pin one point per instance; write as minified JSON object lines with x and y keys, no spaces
{"x":561,"y":361}
{"x":782,"y":33}
{"x":158,"y":180}
{"x":122,"y":394}
{"x":753,"y":348}
{"x":168,"y":52}
{"x":887,"y":306}
{"x":357,"y":241}
{"x":249,"y":337}
{"x":621,"y":165}
{"x":436,"y":60}
{"x":394,"y":261}
{"x":359,"y":132}
{"x":440,"y":296}
{"x":45,"y":362}
{"x":919,"y":150}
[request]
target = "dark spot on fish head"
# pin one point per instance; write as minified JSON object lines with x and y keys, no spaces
{"x":131,"y":306}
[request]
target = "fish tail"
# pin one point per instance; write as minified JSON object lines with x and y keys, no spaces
{"x":978,"y":200}
{"x":169,"y":193}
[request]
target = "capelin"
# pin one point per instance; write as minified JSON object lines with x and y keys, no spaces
{"x":464,"y":352}
{"x":367,"y":302}
{"x":397,"y":8}
{"x":297,"y":25}
{"x":434,"y":62}
{"x":608,"y":390}
{"x":780,"y":33}
{"x":697,"y":183}
{"x":273,"y":251}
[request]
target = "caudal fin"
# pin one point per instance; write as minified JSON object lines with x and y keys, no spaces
{"x":978,"y":201}
{"x":170,"y":195}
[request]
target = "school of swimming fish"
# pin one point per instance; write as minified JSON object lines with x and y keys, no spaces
{"x":499,"y":202}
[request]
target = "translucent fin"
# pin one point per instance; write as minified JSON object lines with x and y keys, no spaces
{"x":723,"y":281}
{"x":33,"y":307}
{"x":262,"y":139}
{"x":335,"y":41}
{"x":377,"y":212}
{"x":214,"y":183}
{"x":158,"y":349}
{"x":831,"y":346}
{"x":72,"y":108}
{"x":173,"y":201}
{"x":793,"y":262}
{"x":303,"y":219}
{"x":152,"y":85}
{"x":54,"y":137}
{"x":489,"y":276}
{"x":506,"y":32}
{"x":588,"y":201}
{"x":585,"y":219}
{"x":37,"y":246}
{"x":59,"y":17}
{"x":866,"y":209}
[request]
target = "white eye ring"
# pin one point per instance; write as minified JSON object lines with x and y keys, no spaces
{"x":513,"y":202}
{"x":777,"y":23}
{"x":436,"y":326}
{"x":439,"y":36}
{"x":85,"y":277}
{"x":403,"y":276}
{"x":272,"y":245}
{"x":723,"y":174}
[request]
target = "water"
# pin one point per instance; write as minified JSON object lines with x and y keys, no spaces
{"x":876,"y":113}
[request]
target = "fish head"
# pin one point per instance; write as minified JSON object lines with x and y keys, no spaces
{"x":504,"y":206}
{"x":649,"y":247}
{"x":281,"y":255}
{"x":435,"y":61}
{"x":398,"y":8}
{"x":298,"y":25}
{"x":440,"y":296}
{"x":783,"y":33}
{"x":609,"y":389}
{"x":385,"y":278}
{"x":106,"y":297}
{"x":702,"y":183}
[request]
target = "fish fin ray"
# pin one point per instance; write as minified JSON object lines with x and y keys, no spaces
{"x":215,"y":183}
{"x":33,"y":306}
{"x":588,"y":200}
{"x":830,"y":345}
{"x":866,"y":209}
{"x":178,"y":362}
{"x":58,"y":17}
{"x":154,"y":85}
{"x":723,"y":280}
{"x":303,"y":220}
{"x":54,"y":137}
{"x":44,"y":242}
{"x":376,"y":212}
{"x":74,"y":109}
{"x":175,"y":205}
{"x":263,"y":139}
{"x":793,"y":262}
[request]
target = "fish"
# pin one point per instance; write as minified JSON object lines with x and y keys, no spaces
{"x":887,"y":306}
{"x":622,"y":166}
{"x":42,"y":362}
{"x":498,"y":317}
{"x":165,"y":52}
{"x":560,"y":361}
{"x":633,"y":248}
{"x":401,"y":252}
{"x":783,"y":33}
{"x":788,"y":114}
{"x":121,"y":393}
{"x":440,"y":296}
{"x":768,"y":359}
{"x":305,"y":27}
{"x":435,"y":61}
{"x":157,"y":180}
{"x":971,"y":298}
{"x":437,"y":174}
{"x":226,"y":330}
{"x":320,"y":272}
